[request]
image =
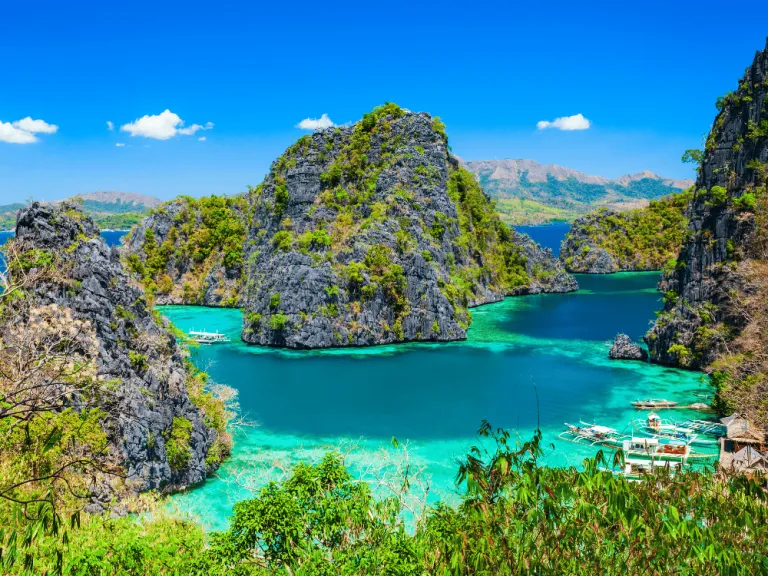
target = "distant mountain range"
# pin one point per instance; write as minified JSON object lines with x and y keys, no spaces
{"x":531,"y":193}
{"x":115,"y":210}
{"x":526,"y":193}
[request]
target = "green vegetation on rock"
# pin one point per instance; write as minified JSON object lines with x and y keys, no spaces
{"x":190,"y":250}
{"x":716,"y":318}
{"x":642,"y":239}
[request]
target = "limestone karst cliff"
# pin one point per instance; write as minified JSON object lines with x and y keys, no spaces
{"x":372,"y":234}
{"x":190,"y":251}
{"x":714,"y":315}
{"x":158,"y":418}
{"x":606,"y":241}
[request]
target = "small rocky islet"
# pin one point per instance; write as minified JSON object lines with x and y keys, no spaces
{"x":624,"y":349}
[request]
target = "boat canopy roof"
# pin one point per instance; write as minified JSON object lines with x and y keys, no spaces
{"x":602,"y":429}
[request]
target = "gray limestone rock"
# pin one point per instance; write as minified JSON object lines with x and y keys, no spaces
{"x":624,"y":349}
{"x":147,"y":395}
{"x":394,"y":200}
{"x":719,"y":234}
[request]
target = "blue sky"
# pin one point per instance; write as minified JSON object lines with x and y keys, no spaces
{"x":645,"y":75}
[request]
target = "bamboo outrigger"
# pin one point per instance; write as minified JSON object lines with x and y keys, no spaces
{"x":592,"y":434}
{"x":655,"y":426}
{"x":653,"y":404}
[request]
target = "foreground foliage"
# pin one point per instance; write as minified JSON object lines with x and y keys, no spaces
{"x":515,"y":517}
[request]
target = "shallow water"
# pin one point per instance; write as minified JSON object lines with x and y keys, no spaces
{"x":528,"y":361}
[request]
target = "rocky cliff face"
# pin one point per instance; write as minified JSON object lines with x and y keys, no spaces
{"x":151,"y":411}
{"x":606,"y":241}
{"x":372,"y":234}
{"x":190,"y":251}
{"x":711,"y":291}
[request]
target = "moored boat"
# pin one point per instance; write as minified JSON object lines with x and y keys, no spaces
{"x":207,"y":337}
{"x":653,"y":404}
{"x":654,"y":425}
{"x":636,"y":469}
{"x":584,"y":433}
{"x":655,"y":449}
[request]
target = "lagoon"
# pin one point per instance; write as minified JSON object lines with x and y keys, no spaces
{"x":528,"y":361}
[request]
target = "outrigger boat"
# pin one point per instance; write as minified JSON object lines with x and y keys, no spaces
{"x":592,"y":434}
{"x":655,"y":426}
{"x":637,"y":469}
{"x":705,"y":427}
{"x":653,"y":404}
{"x":208,"y":337}
{"x":653,"y":448}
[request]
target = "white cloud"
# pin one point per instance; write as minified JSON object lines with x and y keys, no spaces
{"x":9,"y":133}
{"x":35,"y":126}
{"x":315,"y":123}
{"x":110,"y":126}
{"x":119,"y":144}
{"x":194,"y":128}
{"x":575,"y":122}
{"x":162,"y":126}
{"x":23,"y":131}
{"x":201,"y":139}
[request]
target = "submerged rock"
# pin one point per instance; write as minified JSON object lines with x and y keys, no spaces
{"x":624,"y":349}
{"x":148,"y":402}
{"x":372,"y":234}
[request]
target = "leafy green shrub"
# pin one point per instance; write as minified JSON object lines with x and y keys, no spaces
{"x":138,"y":361}
{"x":718,"y":195}
{"x":278,"y":321}
{"x":274,"y":300}
{"x":747,"y":201}
{"x":282,"y":197}
{"x":282,"y":240}
{"x":177,"y":446}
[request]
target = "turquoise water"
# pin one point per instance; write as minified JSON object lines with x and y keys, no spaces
{"x":435,"y":395}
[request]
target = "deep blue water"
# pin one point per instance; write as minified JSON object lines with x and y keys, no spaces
{"x":549,"y":235}
{"x":112,"y":237}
